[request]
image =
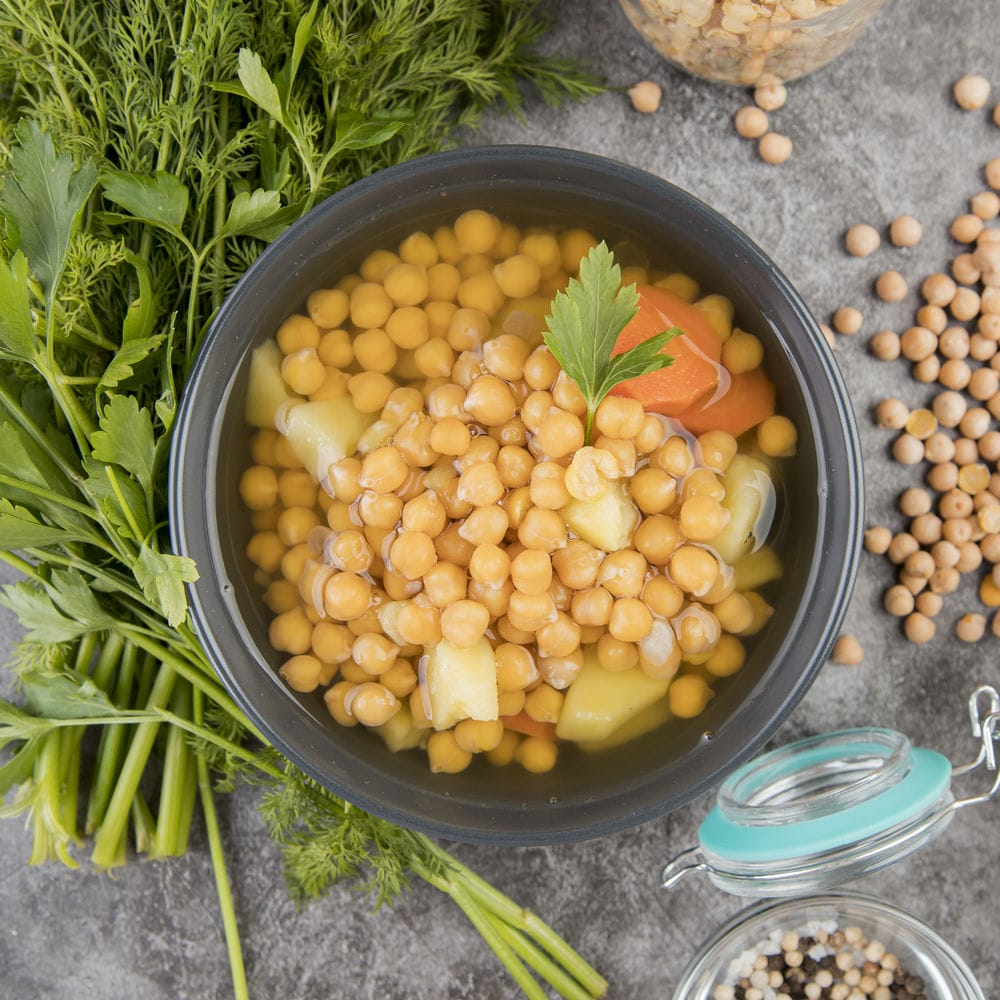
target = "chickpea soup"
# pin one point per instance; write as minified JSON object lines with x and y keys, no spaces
{"x":453,"y":555}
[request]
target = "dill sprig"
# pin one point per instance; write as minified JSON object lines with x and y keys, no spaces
{"x":148,"y":152}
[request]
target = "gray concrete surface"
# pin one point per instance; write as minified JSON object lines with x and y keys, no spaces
{"x":875,"y":135}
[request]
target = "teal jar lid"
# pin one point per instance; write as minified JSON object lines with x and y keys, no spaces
{"x":830,"y":817}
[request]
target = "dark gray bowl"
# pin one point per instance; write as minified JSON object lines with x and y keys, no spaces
{"x":585,"y":796}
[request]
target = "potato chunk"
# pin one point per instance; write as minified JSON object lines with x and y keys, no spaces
{"x":750,"y":500}
{"x":324,"y":432}
{"x":462,"y":683}
{"x":599,"y":701}
{"x":608,"y":522}
{"x":267,"y":390}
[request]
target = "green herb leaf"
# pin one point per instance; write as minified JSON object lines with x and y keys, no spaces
{"x":99,"y":486}
{"x":141,"y":316}
{"x":17,"y":332}
{"x":39,"y":617}
{"x":584,"y":325}
{"x":643,"y":359}
{"x":18,"y":770}
{"x":43,"y":197}
{"x":364,"y":134}
{"x":122,"y":365}
{"x":162,"y":577}
{"x":303,"y":35}
{"x":252,"y":214}
{"x":18,"y":725}
{"x":126,"y":439}
{"x":160,"y":200}
{"x":258,"y":85}
{"x":20,"y":529}
{"x":64,"y":696}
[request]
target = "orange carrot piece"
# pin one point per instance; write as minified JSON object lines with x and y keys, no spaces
{"x":748,"y":400}
{"x":524,"y":723}
{"x":696,"y":354}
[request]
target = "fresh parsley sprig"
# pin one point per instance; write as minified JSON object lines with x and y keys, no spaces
{"x":584,"y":325}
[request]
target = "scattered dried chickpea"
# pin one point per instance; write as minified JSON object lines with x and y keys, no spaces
{"x":646,"y":96}
{"x":751,"y":122}
{"x":847,"y":320}
{"x":891,"y":286}
{"x":905,"y":231}
{"x":774,"y":148}
{"x":971,"y":92}
{"x":862,"y":240}
{"x":847,"y":651}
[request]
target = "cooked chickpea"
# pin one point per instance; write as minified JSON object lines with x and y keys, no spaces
{"x":560,"y":434}
{"x":693,"y":569}
{"x":531,"y":571}
{"x":302,"y":673}
{"x":490,"y":401}
{"x":259,"y":487}
{"x":445,"y":754}
{"x":419,"y":622}
{"x":530,"y":612}
{"x":702,"y":518}
{"x":688,"y":696}
{"x":412,"y":554}
{"x":653,"y":490}
{"x":291,"y":632}
{"x":777,"y":436}
{"x":630,"y":620}
{"x":542,"y":529}
{"x":476,"y":231}
{"x":536,"y":754}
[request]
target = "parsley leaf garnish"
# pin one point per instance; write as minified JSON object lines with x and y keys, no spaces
{"x":584,"y":325}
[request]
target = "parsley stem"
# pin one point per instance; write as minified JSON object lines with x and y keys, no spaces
{"x":182,"y":667}
{"x":553,"y":974}
{"x":112,"y":740}
{"x":175,"y":767}
{"x":487,"y":929}
{"x":530,"y":923}
{"x":109,"y":833}
{"x":222,"y":886}
{"x":51,"y":496}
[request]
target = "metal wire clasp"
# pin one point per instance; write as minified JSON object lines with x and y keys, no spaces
{"x":984,"y":712}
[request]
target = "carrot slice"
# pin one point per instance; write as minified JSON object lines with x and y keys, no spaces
{"x":696,"y":354}
{"x":524,"y":723}
{"x":748,"y":400}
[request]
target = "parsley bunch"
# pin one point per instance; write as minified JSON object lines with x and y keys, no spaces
{"x":148,"y":153}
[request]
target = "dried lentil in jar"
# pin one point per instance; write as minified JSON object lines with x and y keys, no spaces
{"x":445,"y":554}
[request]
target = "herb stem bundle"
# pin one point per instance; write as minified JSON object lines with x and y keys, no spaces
{"x":147,"y":156}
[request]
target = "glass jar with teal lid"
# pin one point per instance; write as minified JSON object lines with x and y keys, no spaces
{"x":807,"y":818}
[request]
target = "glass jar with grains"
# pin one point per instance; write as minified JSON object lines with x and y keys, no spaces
{"x":751,"y":42}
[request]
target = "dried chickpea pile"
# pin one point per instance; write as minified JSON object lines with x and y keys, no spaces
{"x":446,"y":525}
{"x":954,"y":516}
{"x":747,"y":42}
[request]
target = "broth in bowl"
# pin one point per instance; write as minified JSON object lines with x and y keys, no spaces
{"x":454,"y":557}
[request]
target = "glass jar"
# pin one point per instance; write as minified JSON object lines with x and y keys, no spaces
{"x":920,"y":951}
{"x":750,"y":43}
